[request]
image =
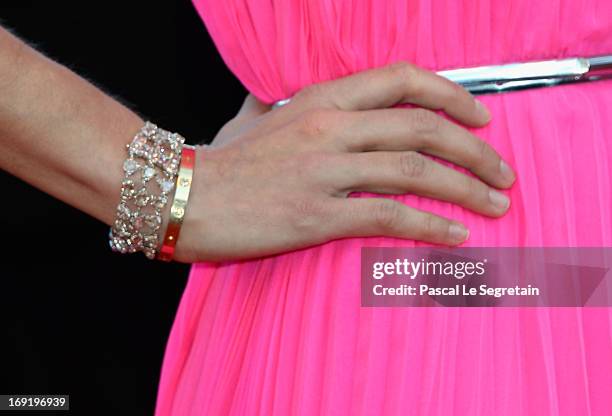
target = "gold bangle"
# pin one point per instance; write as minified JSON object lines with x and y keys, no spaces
{"x":179,"y":204}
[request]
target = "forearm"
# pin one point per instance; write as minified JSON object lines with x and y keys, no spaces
{"x":60,"y":133}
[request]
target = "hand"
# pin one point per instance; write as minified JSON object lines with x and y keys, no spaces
{"x":278,"y":180}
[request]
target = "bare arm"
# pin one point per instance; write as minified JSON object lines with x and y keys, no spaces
{"x":60,"y":133}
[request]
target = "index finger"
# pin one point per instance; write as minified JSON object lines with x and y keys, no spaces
{"x":400,"y":83}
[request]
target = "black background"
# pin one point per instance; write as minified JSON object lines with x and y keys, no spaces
{"x":76,"y":318}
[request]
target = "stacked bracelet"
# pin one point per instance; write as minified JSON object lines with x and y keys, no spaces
{"x":151,"y":171}
{"x":179,"y":203}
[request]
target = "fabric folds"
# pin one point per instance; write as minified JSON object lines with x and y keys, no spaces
{"x":286,"y":335}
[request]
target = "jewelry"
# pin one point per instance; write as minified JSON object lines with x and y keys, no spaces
{"x":150,"y":173}
{"x":281,"y":103}
{"x":179,"y":204}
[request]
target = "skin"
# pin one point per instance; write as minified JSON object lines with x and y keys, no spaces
{"x":273,"y":180}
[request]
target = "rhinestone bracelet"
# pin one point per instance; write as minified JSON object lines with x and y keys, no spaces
{"x":151,"y":170}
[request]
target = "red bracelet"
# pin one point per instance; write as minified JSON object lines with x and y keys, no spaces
{"x":179,"y":204}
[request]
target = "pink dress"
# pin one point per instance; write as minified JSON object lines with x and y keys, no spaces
{"x":286,"y":335}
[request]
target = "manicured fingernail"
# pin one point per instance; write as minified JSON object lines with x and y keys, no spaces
{"x":458,"y":232}
{"x":499,"y":200}
{"x":506,"y":171}
{"x":483,"y":110}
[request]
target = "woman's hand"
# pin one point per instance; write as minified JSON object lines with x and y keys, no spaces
{"x":278,"y":180}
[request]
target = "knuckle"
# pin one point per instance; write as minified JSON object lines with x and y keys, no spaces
{"x":407,"y":75}
{"x":434,"y":228}
{"x":483,"y":149}
{"x":404,"y":71}
{"x":486,"y":155}
{"x":429,"y":230}
{"x":469,"y":192}
{"x":310,"y":93}
{"x":315,"y":123}
{"x":412,"y":164}
{"x":307,"y":216}
{"x":456,"y":93}
{"x":426,"y":121}
{"x":387,"y":215}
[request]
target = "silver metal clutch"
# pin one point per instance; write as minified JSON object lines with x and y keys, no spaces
{"x":524,"y":75}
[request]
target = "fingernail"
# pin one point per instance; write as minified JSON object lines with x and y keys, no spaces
{"x":499,"y":200}
{"x":458,"y":232}
{"x":506,"y":171}
{"x":483,"y":110}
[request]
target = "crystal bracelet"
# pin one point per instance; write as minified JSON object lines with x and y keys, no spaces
{"x":151,"y":170}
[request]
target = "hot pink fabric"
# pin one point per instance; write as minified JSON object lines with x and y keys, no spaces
{"x":286,"y":335}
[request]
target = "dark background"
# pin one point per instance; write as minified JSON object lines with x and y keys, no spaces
{"x":76,"y":318}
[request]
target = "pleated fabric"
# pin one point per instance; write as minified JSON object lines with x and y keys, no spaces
{"x":286,"y":335}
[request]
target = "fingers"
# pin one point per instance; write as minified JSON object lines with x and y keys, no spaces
{"x":367,"y":217}
{"x":412,"y":172}
{"x":425,"y":131}
{"x":396,"y":84}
